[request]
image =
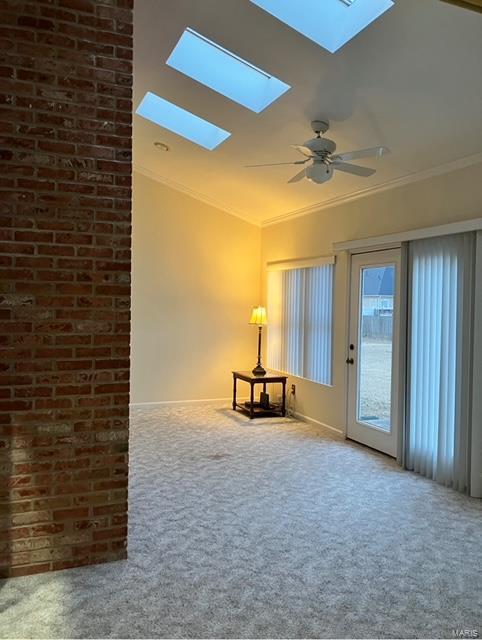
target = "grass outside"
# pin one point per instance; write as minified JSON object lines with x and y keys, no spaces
{"x":375,"y":381}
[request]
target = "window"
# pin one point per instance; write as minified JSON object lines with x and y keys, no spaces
{"x":300,"y":322}
{"x":329,"y":23}
{"x":178,"y":120}
{"x":225,"y":72}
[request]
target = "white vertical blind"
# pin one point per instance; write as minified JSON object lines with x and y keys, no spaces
{"x":318,"y":323}
{"x":293,"y":321}
{"x":275,"y":314}
{"x":300,"y":311}
{"x":440,"y":328}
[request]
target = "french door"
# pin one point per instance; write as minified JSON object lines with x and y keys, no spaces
{"x":373,"y":350}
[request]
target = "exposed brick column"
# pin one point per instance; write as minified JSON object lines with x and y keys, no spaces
{"x":65,"y":235}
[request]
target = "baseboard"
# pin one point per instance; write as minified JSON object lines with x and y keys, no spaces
{"x":300,"y":416}
{"x":169,"y":402}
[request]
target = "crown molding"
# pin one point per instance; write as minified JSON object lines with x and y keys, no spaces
{"x":473,"y":5}
{"x":448,"y":167}
{"x":454,"y":165}
{"x":192,"y":193}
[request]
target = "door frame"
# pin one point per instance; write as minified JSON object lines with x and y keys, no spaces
{"x":392,"y":443}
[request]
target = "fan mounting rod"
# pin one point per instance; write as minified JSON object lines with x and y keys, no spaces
{"x":320,"y":126}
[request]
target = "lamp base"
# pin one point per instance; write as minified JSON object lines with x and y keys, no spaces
{"x":259,"y":371}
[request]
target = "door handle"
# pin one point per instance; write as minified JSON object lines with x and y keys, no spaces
{"x":350,"y":361}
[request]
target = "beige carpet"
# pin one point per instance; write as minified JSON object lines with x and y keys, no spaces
{"x":261,"y":529}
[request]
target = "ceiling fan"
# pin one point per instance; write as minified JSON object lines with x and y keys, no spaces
{"x":321,"y":153}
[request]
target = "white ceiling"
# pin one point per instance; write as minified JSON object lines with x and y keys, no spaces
{"x":411,"y":81}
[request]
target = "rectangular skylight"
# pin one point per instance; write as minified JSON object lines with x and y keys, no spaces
{"x":225,"y":72}
{"x":178,"y":120}
{"x":330,"y":23}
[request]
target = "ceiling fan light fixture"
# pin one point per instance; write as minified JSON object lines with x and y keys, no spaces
{"x":319,"y":172}
{"x":320,"y":152}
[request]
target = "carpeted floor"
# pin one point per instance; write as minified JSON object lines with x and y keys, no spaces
{"x":268,"y":528}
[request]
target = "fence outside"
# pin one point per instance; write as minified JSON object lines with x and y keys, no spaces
{"x":377,"y":327}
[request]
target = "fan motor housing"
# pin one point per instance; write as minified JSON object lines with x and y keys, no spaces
{"x":321,"y":146}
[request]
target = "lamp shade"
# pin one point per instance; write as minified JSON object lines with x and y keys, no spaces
{"x":258,"y":316}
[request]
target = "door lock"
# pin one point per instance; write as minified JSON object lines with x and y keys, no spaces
{"x":350,"y":360}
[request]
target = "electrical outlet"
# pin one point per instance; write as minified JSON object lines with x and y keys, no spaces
{"x":293,"y":389}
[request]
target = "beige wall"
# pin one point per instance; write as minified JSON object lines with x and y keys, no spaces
{"x":196,"y":275}
{"x":443,"y":199}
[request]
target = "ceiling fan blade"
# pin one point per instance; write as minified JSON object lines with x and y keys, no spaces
{"x":373,"y":152}
{"x":296,"y":178}
{"x":306,"y":151}
{"x":275,"y":164}
{"x":365,"y":172}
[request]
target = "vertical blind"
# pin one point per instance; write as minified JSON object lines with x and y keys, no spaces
{"x":300,"y":322}
{"x":438,"y":439}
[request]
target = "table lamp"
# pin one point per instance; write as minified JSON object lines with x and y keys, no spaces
{"x":258,"y":316}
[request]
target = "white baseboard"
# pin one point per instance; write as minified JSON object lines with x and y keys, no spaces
{"x":304,"y":418}
{"x":168,"y":402}
{"x":198,"y":401}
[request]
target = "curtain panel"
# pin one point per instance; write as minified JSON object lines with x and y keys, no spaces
{"x":440,"y":365}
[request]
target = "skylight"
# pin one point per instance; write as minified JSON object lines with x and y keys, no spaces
{"x":225,"y":72}
{"x":330,"y":23}
{"x":178,"y":120}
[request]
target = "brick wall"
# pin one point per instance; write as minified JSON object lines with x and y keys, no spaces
{"x":65,"y":208}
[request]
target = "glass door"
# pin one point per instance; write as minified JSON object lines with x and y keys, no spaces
{"x":372,"y":355}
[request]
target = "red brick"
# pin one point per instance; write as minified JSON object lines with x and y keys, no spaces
{"x":110,"y":509}
{"x":47,"y":529}
{"x":80,"y":390}
{"x":25,"y":570}
{"x":49,"y":403}
{"x":69,"y":514}
{"x":109,"y":534}
{"x":55,"y":250}
{"x":11,"y":247}
{"x":40,"y":263}
{"x":57,"y":147}
{"x":66,"y":126}
{"x":79,"y":5}
{"x":73,"y":238}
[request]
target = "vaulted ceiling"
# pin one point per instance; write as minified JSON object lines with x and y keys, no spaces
{"x":410,"y":81}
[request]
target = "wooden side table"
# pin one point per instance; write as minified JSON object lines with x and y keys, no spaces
{"x":254,"y":408}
